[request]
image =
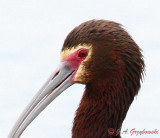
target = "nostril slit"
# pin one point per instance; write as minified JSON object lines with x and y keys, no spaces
{"x":55,"y":75}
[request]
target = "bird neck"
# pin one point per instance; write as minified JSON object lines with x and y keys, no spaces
{"x":102,"y":109}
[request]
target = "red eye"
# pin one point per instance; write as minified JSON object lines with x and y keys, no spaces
{"x":83,"y":53}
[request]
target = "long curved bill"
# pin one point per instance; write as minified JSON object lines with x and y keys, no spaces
{"x":54,"y":86}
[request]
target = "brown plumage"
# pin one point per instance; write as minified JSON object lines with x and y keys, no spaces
{"x":112,"y":77}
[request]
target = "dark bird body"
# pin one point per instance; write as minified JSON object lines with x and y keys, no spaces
{"x":114,"y":79}
{"x":111,"y":70}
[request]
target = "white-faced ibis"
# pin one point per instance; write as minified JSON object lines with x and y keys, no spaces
{"x":104,"y":57}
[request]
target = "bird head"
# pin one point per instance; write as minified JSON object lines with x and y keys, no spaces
{"x":101,"y":50}
{"x":96,"y":52}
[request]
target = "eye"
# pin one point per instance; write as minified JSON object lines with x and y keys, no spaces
{"x":83,"y":53}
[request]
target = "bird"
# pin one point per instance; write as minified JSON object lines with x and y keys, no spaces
{"x":103,"y":56}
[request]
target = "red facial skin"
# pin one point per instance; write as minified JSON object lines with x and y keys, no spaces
{"x":74,"y":60}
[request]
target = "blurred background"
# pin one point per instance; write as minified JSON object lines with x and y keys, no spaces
{"x":32,"y":33}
